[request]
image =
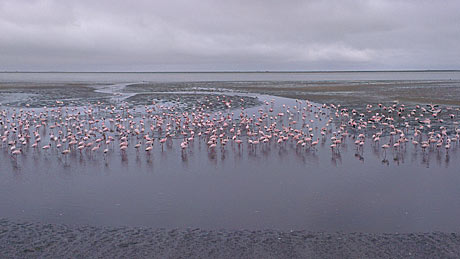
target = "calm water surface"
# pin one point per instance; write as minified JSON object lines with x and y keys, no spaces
{"x":266,"y":188}
{"x":216,"y":76}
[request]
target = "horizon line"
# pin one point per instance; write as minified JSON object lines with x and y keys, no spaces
{"x":243,"y":71}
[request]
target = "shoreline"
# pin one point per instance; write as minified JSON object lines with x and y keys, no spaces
{"x":348,"y":93}
{"x":30,"y":239}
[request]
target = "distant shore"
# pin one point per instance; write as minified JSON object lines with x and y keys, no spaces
{"x":252,"y":71}
{"x":20,"y":240}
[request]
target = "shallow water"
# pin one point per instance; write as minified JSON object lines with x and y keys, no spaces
{"x":217,"y":76}
{"x":267,"y":187}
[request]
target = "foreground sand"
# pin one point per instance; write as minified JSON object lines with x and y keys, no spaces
{"x":32,"y":240}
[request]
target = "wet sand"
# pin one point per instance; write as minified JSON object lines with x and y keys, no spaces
{"x":32,"y":240}
{"x":348,"y":93}
{"x":358,"y":92}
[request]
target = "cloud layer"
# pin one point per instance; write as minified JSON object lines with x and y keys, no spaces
{"x":178,"y":35}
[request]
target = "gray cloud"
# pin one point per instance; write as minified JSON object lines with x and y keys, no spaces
{"x":146,"y":35}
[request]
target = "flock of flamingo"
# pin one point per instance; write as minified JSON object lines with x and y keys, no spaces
{"x":109,"y":130}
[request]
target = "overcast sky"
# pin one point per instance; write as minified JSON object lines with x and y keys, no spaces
{"x":187,"y":35}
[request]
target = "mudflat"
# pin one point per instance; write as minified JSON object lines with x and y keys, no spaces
{"x":32,"y":240}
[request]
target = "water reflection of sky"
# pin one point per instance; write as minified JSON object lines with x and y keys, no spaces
{"x":270,"y":186}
